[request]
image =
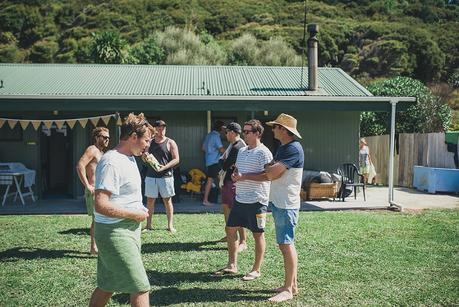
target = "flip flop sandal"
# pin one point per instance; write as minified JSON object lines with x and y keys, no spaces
{"x":224,"y":271}
{"x":251,"y":276}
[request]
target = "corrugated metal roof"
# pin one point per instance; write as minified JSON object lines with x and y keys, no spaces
{"x":170,"y":80}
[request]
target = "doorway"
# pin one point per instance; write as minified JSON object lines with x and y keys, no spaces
{"x":56,"y":161}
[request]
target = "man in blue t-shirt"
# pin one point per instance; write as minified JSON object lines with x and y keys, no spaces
{"x":213,"y":149}
{"x":285,"y":173}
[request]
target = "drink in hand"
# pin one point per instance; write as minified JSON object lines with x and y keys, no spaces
{"x":150,"y":159}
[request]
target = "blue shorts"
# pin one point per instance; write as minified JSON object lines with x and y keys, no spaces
{"x":285,"y":221}
{"x":163,"y":186}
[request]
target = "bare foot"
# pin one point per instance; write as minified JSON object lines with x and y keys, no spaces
{"x":206,"y":203}
{"x":281,"y":297}
{"x":93,"y":251}
{"x":280,"y":289}
{"x":242,"y":247}
{"x":172,"y":230}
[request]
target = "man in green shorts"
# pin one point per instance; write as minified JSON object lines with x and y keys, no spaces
{"x":118,"y":214}
{"x":86,"y":170}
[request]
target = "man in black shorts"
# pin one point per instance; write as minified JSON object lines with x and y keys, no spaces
{"x":250,"y":206}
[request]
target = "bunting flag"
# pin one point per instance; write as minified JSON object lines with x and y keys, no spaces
{"x":59,"y":123}
{"x":24,"y":124}
{"x":83,"y":122}
{"x":118,"y":121}
{"x":36,"y":123}
{"x":47,"y":123}
{"x":12,"y":123}
{"x":71,"y":123}
{"x":94,"y":121}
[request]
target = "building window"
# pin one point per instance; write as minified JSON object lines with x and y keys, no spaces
{"x":8,"y":134}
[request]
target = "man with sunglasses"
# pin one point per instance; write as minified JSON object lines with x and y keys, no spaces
{"x":86,"y":170}
{"x":251,"y":201}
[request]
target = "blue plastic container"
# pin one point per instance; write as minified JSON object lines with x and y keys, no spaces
{"x":434,"y":179}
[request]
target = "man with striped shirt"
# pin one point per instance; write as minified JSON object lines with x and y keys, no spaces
{"x":252,"y":197}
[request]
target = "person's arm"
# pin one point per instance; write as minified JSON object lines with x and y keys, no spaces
{"x":175,"y":156}
{"x":230,"y":160}
{"x":104,"y":206}
{"x":272,"y":172}
{"x":85,"y":159}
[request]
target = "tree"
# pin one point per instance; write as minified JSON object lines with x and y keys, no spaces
{"x":149,"y":52}
{"x":109,"y":48}
{"x":429,"y":114}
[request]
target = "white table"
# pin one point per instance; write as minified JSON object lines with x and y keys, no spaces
{"x":17,"y":178}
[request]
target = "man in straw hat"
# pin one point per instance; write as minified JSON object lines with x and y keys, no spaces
{"x":285,"y":173}
{"x":118,"y":213}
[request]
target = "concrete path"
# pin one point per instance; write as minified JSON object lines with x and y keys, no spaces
{"x":376,"y":199}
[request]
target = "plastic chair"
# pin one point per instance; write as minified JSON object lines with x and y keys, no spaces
{"x":349,"y":173}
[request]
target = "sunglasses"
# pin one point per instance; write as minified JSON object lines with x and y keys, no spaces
{"x":104,"y":137}
{"x":248,"y":131}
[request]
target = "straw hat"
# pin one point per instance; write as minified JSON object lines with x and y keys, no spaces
{"x":286,"y":121}
{"x":362,"y":140}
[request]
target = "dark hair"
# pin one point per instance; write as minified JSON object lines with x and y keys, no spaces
{"x":96,"y":131}
{"x":256,"y":126}
{"x":218,"y":124}
{"x":135,"y":123}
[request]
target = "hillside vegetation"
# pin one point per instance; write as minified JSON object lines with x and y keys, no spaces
{"x":368,"y":39}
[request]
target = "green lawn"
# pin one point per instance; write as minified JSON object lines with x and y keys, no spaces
{"x":345,"y":258}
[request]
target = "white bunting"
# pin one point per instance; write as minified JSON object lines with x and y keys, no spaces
{"x":71,"y":123}
{"x":36,"y":124}
{"x":94,"y":121}
{"x":83,"y":122}
{"x":24,"y":124}
{"x":48,"y":123}
{"x":106,"y":119}
{"x":59,"y":123}
{"x":2,"y":122}
{"x":12,"y":123}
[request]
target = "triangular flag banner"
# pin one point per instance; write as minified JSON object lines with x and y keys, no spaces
{"x":24,"y":124}
{"x":119,"y":122}
{"x":71,"y":123}
{"x":48,"y":123}
{"x":83,"y":122}
{"x":94,"y":121}
{"x":59,"y":123}
{"x":2,"y":122}
{"x":12,"y":123}
{"x":106,"y":119}
{"x":36,"y":124}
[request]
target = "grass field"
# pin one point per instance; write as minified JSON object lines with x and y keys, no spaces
{"x":345,"y":258}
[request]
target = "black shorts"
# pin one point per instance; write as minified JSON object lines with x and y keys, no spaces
{"x":250,"y":216}
{"x":212,"y":170}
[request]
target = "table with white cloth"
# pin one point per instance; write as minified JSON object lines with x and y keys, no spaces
{"x":19,"y":175}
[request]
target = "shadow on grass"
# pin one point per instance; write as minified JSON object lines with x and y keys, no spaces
{"x":173,"y":295}
{"x":75,"y":231}
{"x":165,"y":279}
{"x":180,"y":247}
{"x":26,"y":253}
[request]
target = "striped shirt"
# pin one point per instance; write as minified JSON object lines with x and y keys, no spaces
{"x":253,"y":161}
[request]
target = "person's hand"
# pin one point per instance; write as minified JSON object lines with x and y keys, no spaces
{"x":161,"y":169}
{"x":91,"y":189}
{"x":139,"y":215}
{"x":236,"y":175}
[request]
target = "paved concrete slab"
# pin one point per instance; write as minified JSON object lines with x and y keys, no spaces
{"x":376,"y":199}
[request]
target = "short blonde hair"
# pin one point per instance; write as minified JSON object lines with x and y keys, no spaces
{"x":135,"y":124}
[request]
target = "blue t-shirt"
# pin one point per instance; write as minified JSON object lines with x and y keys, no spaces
{"x":212,"y":144}
{"x":291,"y":155}
{"x":285,"y":190}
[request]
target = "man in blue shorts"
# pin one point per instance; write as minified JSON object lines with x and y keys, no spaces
{"x":285,"y":173}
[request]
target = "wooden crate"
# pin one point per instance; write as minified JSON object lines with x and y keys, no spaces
{"x":322,"y":190}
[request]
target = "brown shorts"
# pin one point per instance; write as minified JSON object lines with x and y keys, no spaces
{"x":228,"y":193}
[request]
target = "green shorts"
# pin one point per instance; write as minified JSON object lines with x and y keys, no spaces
{"x":89,"y":198}
{"x":364,"y":170}
{"x":119,"y":262}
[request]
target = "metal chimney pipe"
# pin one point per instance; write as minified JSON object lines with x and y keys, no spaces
{"x":313,"y":57}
